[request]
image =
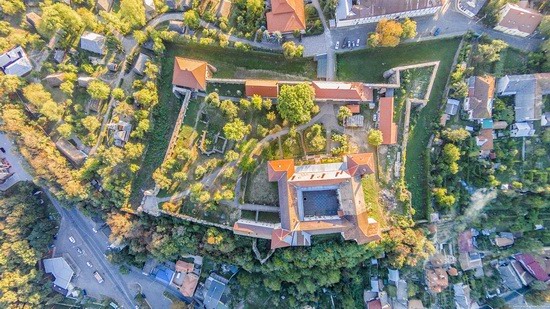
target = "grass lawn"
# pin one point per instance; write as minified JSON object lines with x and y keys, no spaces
{"x":371,"y":192}
{"x":164,"y":116}
{"x":368,"y":65}
{"x":416,"y":169}
{"x":233,"y":63}
{"x":259,"y":190}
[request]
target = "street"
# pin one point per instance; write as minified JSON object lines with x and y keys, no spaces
{"x":15,"y":161}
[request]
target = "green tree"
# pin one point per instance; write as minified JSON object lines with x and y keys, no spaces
{"x":296,"y":103}
{"x":98,"y":90}
{"x":375,"y":137}
{"x":451,"y":153}
{"x":91,"y":123}
{"x":132,"y":14}
{"x":191,"y":19}
{"x":12,"y":7}
{"x":409,"y":28}
{"x":456,"y":135}
{"x":544,"y":26}
{"x":236,"y":130}
{"x":491,"y":52}
{"x":373,"y":40}
{"x":443,"y":199}
{"x":118,"y":94}
{"x":65,"y":130}
{"x":316,"y":140}
{"x":61,"y":16}
{"x":343,"y":113}
{"x":291,"y":50}
{"x":229,"y":109}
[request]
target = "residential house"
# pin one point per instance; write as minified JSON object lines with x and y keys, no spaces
{"x":484,"y":140}
{"x":121,"y":132}
{"x":504,"y":240}
{"x":55,"y":80}
{"x":59,"y":55}
{"x":62,"y":272}
{"x":525,"y":277}
{"x":462,"y":297}
{"x":385,"y":122}
{"x":93,"y":42}
{"x":518,"y":19}
{"x":224,"y":9}
{"x":510,"y":278}
{"x":321,"y":60}
{"x":176,"y":26}
{"x":264,"y":88}
{"x":352,"y":13}
{"x":33,"y":19}
{"x":5,"y":174}
{"x":84,"y":81}
{"x":528,"y":91}
{"x":341,"y":91}
{"x":416,"y":304}
{"x":532,"y":266}
{"x":174,"y":4}
{"x":354,"y":108}
{"x":150,"y":8}
{"x":522,"y":129}
{"x":139,"y":67}
{"x":354,"y":121}
{"x":437,"y":279}
{"x":317,"y":199}
{"x":286,"y":16}
{"x":452,"y":107}
{"x":185,"y":279}
{"x":69,"y":150}
{"x":104,"y":5}
{"x":470,"y":260}
{"x":479,"y":102}
{"x":214,"y":294}
{"x":15,"y":62}
{"x":190,"y":74}
{"x":393,"y":276}
{"x":163,"y":274}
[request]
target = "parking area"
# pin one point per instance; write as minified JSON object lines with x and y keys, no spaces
{"x":81,"y":258}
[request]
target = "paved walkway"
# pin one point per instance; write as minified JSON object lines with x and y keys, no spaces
{"x":16,"y":162}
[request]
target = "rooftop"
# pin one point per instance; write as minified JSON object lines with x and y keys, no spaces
{"x":61,"y":270}
{"x":15,"y":62}
{"x":523,"y":19}
{"x":386,"y":124}
{"x":190,"y":73}
{"x":372,"y":8}
{"x":528,"y":90}
{"x":341,"y":91}
{"x":481,"y":91}
{"x":264,"y":88}
{"x":286,"y":16}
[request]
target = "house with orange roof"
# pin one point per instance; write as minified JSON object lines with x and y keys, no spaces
{"x":485,"y":142}
{"x":518,"y":19}
{"x":286,"y":16}
{"x":385,"y":122}
{"x":317,"y":199}
{"x":264,"y":88}
{"x":191,"y":74}
{"x":479,"y":102}
{"x":341,"y":91}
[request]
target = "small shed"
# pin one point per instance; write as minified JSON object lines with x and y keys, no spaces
{"x":452,"y":107}
{"x":93,"y":42}
{"x":176,"y":26}
{"x":84,"y":81}
{"x":59,"y":55}
{"x":354,"y":108}
{"x":55,"y":80}
{"x":139,"y":67}
{"x":33,"y":19}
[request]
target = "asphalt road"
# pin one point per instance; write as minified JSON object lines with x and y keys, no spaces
{"x":15,"y":160}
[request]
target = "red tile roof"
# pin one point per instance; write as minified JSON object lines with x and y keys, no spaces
{"x":354,"y":108}
{"x":265,"y":88}
{"x":185,"y":267}
{"x":286,"y":16}
{"x":360,"y":163}
{"x":532,"y":266}
{"x":190,"y":73}
{"x":465,"y":242}
{"x":189,"y":284}
{"x":277,"y":168}
{"x":386,"y":124}
{"x":341,"y":91}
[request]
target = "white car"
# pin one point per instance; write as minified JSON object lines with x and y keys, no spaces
{"x":337,"y":45}
{"x":375,"y":117}
{"x":89,"y":264}
{"x":93,"y":229}
{"x":71,"y":239}
{"x":357,"y":44}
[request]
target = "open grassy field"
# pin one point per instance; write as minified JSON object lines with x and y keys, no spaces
{"x":368,"y":65}
{"x":371,"y":192}
{"x":416,"y":166}
{"x":233,"y":63}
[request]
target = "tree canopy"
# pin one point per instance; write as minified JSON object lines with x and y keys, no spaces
{"x":296,"y":103}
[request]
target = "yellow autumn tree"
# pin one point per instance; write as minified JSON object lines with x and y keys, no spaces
{"x":389,"y":32}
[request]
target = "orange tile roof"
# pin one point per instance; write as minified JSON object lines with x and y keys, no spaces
{"x":189,"y":284}
{"x":386,"y":124}
{"x":354,"y":108}
{"x":481,"y":90}
{"x":341,"y":91}
{"x":281,"y":238}
{"x":185,"y":267}
{"x":286,"y":16}
{"x":190,"y":73}
{"x":277,"y":168}
{"x":265,"y":88}
{"x":360,"y":163}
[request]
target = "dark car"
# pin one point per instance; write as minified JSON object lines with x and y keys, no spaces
{"x":2,"y":149}
{"x":437,"y":31}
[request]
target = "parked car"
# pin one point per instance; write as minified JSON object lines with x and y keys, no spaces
{"x":93,"y":229}
{"x":337,"y":45}
{"x":71,"y":239}
{"x":89,"y":264}
{"x":437,"y":31}
{"x":375,"y":117}
{"x":357,"y":44}
{"x":344,"y":42}
{"x":79,"y":250}
{"x":98,"y":277}
{"x":2,"y":149}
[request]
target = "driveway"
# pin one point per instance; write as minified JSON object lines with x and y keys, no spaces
{"x":16,"y":162}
